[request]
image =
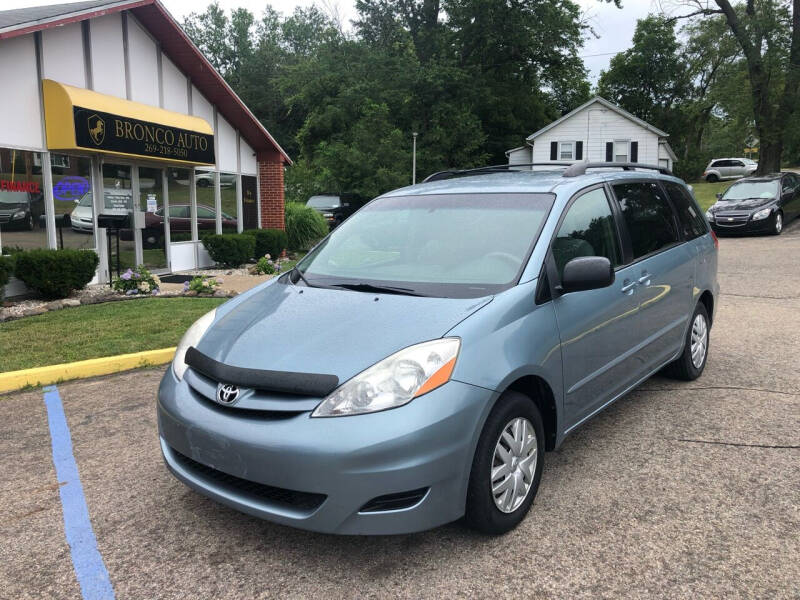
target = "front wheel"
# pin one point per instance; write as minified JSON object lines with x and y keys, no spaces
{"x":692,"y":361}
{"x":777,"y":226}
{"x":507,"y":466}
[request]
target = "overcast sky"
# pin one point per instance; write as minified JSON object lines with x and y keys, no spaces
{"x":613,"y":26}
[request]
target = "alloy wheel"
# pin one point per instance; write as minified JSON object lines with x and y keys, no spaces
{"x":514,"y":464}
{"x":778,"y":223}
{"x":699,"y":344}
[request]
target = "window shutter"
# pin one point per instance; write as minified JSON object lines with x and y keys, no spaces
{"x":609,"y":151}
{"x":553,"y":150}
{"x":634,"y":152}
{"x":578,"y":150}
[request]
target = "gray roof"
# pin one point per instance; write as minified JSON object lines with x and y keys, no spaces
{"x":11,"y":19}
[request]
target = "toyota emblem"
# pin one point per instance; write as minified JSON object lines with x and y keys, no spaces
{"x":227,"y":393}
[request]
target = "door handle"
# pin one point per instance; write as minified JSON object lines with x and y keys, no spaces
{"x":628,"y":287}
{"x":645,"y":278}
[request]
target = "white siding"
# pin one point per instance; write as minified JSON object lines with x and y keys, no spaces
{"x":520,"y":156}
{"x":201,"y":107}
{"x":176,"y":95}
{"x":143,"y":60}
{"x":248,"y":158}
{"x":108,"y":55}
{"x":62,"y":55}
{"x":603,"y":125}
{"x":226,"y":161}
{"x":20,"y":121}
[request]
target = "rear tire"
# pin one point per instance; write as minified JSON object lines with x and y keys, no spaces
{"x":512,"y":484}
{"x":712,"y":178}
{"x":687,"y":367}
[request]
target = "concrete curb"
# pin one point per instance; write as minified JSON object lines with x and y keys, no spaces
{"x":14,"y":380}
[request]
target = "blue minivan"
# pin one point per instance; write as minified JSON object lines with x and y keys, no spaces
{"x":417,"y":364}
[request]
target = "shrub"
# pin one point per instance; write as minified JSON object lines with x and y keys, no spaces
{"x":137,"y":281}
{"x":230,"y":249}
{"x":304,"y":226}
{"x":6,"y":269}
{"x":202,"y":284}
{"x":266,"y":266}
{"x":56,"y":273}
{"x":269,"y":241}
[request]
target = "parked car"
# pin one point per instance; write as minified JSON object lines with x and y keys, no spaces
{"x":335,"y":207}
{"x":206,"y":179}
{"x":20,"y":210}
{"x":729,"y":168}
{"x":81,"y":217}
{"x":763,"y":204}
{"x":484,"y":317}
{"x":180,"y":222}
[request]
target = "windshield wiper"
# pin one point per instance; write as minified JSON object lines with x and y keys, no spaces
{"x":369,"y":287}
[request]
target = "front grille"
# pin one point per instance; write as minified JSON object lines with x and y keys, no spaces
{"x":731,"y":219}
{"x":305,"y":501}
{"x":394,"y":501}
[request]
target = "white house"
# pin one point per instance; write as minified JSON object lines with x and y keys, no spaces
{"x":597,"y":131}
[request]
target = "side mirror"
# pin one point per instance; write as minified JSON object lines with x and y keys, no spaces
{"x":587,"y":273}
{"x":719,"y":195}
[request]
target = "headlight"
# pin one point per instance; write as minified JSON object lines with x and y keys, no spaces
{"x":190,"y":338}
{"x":709,"y":215}
{"x":395,"y":380}
{"x":20,"y":214}
{"x":762,"y":214}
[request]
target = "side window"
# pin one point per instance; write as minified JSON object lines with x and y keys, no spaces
{"x":587,"y":230}
{"x":736,"y":163}
{"x":203,"y":212}
{"x":717,"y":164}
{"x":691,"y":221}
{"x":648,"y":215}
{"x":180,"y":211}
{"x":789,"y":184}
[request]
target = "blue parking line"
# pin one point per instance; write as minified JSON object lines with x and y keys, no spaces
{"x":86,"y":560}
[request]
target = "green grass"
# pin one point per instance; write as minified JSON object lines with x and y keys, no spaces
{"x":706,"y":192}
{"x":97,"y":330}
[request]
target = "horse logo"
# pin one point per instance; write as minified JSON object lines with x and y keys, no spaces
{"x":97,"y":129}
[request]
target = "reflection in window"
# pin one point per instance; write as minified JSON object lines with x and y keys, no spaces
{"x":22,"y":222}
{"x":72,"y":198}
{"x":587,"y":230}
{"x":180,"y":227}
{"x":206,"y":215}
{"x":648,"y":215}
{"x":230,"y":212}
{"x":249,"y":202}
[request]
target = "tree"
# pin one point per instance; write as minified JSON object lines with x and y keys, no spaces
{"x":768,"y":33}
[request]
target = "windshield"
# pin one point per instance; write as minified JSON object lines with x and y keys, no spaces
{"x":461,"y":246}
{"x":323,"y":201}
{"x":13,"y":198}
{"x":751,"y":189}
{"x":86,"y":200}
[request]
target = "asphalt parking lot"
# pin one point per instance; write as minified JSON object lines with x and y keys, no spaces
{"x":678,"y":490}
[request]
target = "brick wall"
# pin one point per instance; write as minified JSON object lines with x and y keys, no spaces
{"x":270,"y":180}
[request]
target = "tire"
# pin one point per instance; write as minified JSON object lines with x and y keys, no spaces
{"x":684,"y":368}
{"x":712,"y":178}
{"x":777,"y":224}
{"x":482,"y":511}
{"x":203,"y":183}
{"x":30,"y":222}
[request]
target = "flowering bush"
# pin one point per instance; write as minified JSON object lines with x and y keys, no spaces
{"x":202,"y":284}
{"x":137,"y":281}
{"x":267,"y":266}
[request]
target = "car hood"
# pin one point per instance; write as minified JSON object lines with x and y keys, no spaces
{"x":315,"y":330}
{"x":750,"y":204}
{"x":7,"y":208}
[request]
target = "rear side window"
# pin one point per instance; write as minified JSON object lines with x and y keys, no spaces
{"x":587,"y":230}
{"x":692,"y":223}
{"x":648,"y":216}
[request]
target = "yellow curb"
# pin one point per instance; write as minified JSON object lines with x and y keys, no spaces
{"x":14,"y":380}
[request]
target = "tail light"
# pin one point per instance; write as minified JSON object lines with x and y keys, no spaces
{"x":715,"y":238}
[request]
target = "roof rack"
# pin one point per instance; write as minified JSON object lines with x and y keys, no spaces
{"x":450,"y":174}
{"x":580,"y":168}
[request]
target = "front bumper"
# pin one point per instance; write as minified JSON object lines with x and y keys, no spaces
{"x":735,"y":225}
{"x":426,"y":445}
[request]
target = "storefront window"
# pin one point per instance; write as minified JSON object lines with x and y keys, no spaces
{"x":72,"y":198}
{"x":249,"y":202}
{"x":206,"y":213}
{"x":180,"y":223}
{"x":118,"y":200}
{"x":151,"y":203}
{"x":22,"y":221}
{"x":230,"y":209}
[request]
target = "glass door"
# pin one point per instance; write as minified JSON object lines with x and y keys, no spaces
{"x":118,"y":201}
{"x":151,"y":203}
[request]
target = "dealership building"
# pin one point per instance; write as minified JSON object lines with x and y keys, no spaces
{"x":115,"y":129}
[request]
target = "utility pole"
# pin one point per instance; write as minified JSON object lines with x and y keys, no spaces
{"x":414,"y":160}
